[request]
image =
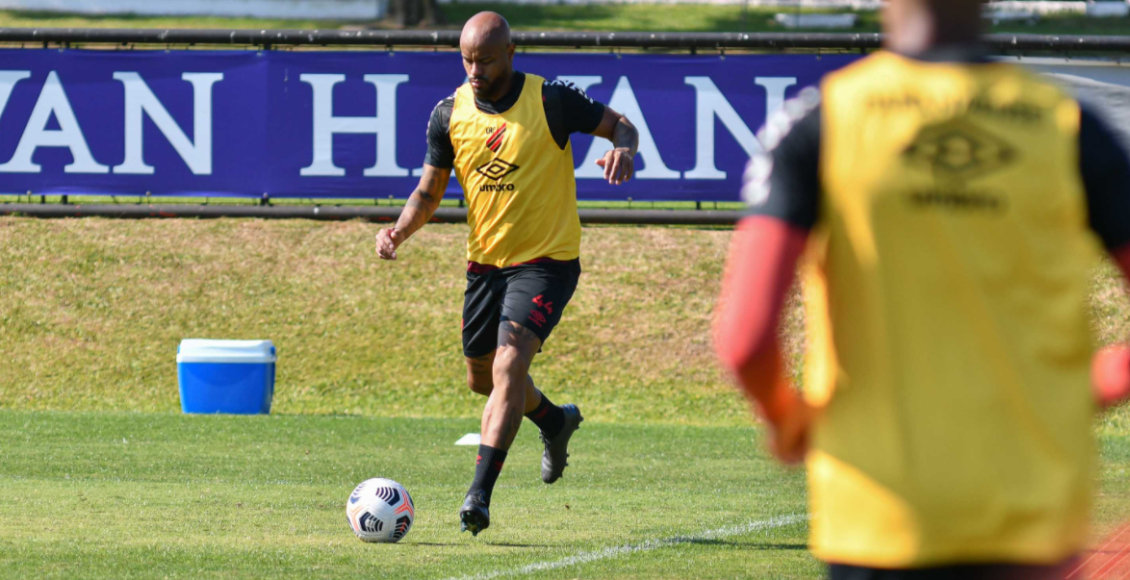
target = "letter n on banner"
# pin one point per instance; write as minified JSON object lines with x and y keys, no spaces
{"x":711,"y":103}
{"x":140,"y":101}
{"x":623,"y":101}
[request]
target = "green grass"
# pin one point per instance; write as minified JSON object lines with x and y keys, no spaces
{"x":609,"y":17}
{"x":124,"y":496}
{"x":102,"y":305}
{"x":166,"y":496}
{"x":94,"y":310}
{"x":370,"y":384}
{"x":43,"y":18}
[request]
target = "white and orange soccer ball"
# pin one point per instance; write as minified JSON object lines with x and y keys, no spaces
{"x":380,"y":510}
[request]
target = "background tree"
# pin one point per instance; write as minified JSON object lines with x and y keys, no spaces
{"x":415,"y":13}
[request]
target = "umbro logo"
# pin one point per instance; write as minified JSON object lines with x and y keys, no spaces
{"x":959,"y":150}
{"x":496,"y":169}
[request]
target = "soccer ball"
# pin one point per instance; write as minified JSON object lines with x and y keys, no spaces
{"x":380,"y":510}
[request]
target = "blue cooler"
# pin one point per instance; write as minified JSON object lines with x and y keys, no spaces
{"x":226,"y":376}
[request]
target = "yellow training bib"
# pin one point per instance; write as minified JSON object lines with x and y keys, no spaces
{"x":520,"y":189}
{"x":949,"y":343}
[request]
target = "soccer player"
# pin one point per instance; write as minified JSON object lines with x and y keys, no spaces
{"x":946,"y":211}
{"x":506,"y":134}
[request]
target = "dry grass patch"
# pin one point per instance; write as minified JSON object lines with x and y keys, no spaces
{"x":92,"y":312}
{"x":97,"y":307}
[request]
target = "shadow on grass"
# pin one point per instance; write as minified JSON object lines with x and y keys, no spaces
{"x":767,"y":546}
{"x":510,"y":545}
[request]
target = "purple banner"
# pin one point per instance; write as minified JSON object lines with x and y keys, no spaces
{"x":352,"y":124}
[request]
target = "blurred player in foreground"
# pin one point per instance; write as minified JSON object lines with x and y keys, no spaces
{"x":506,"y":133}
{"x":949,"y":211}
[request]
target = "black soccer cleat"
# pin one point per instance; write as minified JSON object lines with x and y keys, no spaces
{"x":553,"y":460}
{"x":474,"y":516}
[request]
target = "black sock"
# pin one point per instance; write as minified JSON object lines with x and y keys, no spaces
{"x":548,"y":417}
{"x":487,"y":467}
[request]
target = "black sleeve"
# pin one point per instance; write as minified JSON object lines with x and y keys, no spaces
{"x":784,"y":180}
{"x":569,"y":110}
{"x":441,"y":153}
{"x":1106,"y":179}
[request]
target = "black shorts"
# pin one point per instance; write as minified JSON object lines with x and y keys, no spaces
{"x":958,"y":572}
{"x":533,"y":294}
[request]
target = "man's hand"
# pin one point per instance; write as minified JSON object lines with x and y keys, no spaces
{"x":618,"y":165}
{"x":1110,"y":375}
{"x":388,"y":240}
{"x":419,"y":208}
{"x":789,"y":425}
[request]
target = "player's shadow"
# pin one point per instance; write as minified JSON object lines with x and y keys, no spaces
{"x":750,"y":545}
{"x":509,"y":545}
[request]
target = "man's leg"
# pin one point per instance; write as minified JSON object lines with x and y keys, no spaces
{"x":549,"y":418}
{"x":534,"y":298}
{"x":480,"y":379}
{"x":479,"y":374}
{"x":502,"y":418}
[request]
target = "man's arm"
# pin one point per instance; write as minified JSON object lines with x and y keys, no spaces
{"x":421,"y":206}
{"x":759,"y":272}
{"x":618,"y":164}
{"x":1105,"y":169}
{"x":782,"y":186}
{"x":1110,"y":369}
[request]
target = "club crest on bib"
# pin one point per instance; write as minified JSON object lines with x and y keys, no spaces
{"x":495,"y":139}
{"x":496,"y":168}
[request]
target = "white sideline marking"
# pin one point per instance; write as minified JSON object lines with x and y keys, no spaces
{"x":470,"y":439}
{"x":615,"y":551}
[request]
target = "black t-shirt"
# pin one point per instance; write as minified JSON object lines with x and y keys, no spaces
{"x":784,"y":182}
{"x":568,"y":110}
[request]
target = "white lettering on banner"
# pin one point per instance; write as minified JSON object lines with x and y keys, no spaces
{"x":8,"y":80}
{"x":775,"y":92}
{"x":623,"y":101}
{"x":710,"y":103}
{"x":52,"y":101}
{"x":383,"y":125}
{"x":197,"y":154}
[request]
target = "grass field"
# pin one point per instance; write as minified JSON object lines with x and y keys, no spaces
{"x":103,"y":305}
{"x":155,"y":496}
{"x":124,"y":496}
{"x":611,"y":17}
{"x":102,"y":478}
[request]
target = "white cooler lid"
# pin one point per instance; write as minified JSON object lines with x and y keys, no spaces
{"x":203,"y":350}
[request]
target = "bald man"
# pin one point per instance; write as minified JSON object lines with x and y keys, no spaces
{"x":949,"y":210}
{"x":506,"y":134}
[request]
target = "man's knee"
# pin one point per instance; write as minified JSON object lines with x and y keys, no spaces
{"x":510,"y":366}
{"x":480,"y":384}
{"x":480,"y":377}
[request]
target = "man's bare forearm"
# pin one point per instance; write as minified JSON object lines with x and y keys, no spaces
{"x":419,"y":209}
{"x":423,"y":202}
{"x":625,"y":135}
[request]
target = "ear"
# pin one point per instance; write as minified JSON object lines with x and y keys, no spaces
{"x":510,"y":52}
